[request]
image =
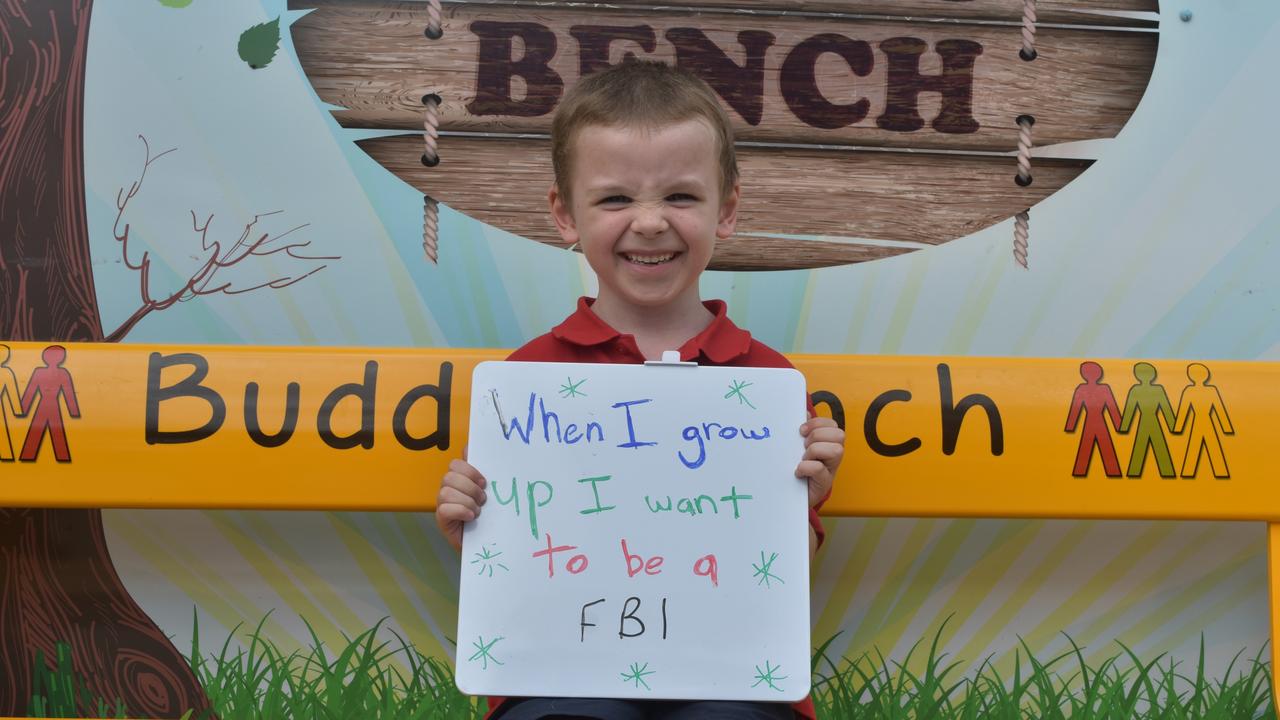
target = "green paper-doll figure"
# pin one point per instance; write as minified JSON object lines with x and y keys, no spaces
{"x":1203,"y":415}
{"x":1148,"y":401}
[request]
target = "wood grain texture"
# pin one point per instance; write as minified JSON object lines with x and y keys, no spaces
{"x":372,"y":59}
{"x":1075,"y":12}
{"x":46,"y":275}
{"x":61,"y":586}
{"x":902,"y":199}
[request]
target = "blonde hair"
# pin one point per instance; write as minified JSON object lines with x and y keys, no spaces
{"x":642,"y":94}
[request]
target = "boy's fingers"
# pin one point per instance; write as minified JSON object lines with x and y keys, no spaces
{"x":466,"y":469}
{"x":823,"y":439}
{"x":448,"y":514}
{"x":825,"y":434}
{"x":454,"y":496}
{"x":451,"y":495}
{"x":473,"y":495}
{"x":465,"y":485}
{"x":824,"y":451}
{"x":810,"y":469}
{"x":462,"y":467}
{"x":815,"y":423}
{"x":459,"y":499}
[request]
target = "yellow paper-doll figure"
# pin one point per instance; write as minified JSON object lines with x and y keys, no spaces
{"x":1203,"y":414}
{"x":9,"y":404}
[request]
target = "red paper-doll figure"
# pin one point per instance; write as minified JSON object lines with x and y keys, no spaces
{"x":50,"y":383}
{"x":1097,"y":402}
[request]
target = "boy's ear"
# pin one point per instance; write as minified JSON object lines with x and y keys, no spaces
{"x":562,"y":215}
{"x":729,"y":213}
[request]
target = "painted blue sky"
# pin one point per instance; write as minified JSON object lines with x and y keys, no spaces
{"x":1161,"y":249}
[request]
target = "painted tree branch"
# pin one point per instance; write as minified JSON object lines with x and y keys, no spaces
{"x":205,"y":279}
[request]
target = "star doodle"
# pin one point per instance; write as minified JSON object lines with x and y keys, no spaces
{"x":570,"y":388}
{"x":767,"y":676}
{"x":637,"y":674}
{"x":484,"y":652}
{"x":735,"y":389}
{"x":487,"y":560}
{"x":764,"y":570}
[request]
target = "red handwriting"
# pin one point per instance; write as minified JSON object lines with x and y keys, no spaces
{"x":706,"y":567}
{"x":576,"y":564}
{"x":636,"y":563}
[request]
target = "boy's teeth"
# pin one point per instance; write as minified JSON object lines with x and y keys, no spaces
{"x":650,"y":259}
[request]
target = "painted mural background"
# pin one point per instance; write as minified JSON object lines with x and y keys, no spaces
{"x":1167,"y":247}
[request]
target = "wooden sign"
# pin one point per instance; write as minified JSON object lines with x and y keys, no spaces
{"x":645,"y":535}
{"x":832,"y":110}
{"x":783,"y":79}
{"x":1127,"y":13}
{"x":913,"y":199}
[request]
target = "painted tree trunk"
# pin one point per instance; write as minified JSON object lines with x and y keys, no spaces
{"x":57,"y":582}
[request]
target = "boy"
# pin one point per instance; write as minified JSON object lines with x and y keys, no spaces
{"x":645,"y":183}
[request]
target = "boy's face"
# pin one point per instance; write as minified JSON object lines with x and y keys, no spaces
{"x":646,"y":210}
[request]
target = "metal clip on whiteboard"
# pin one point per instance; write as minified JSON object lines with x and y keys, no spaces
{"x":670,"y":357}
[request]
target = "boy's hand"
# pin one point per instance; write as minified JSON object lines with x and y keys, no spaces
{"x":823,"y":449}
{"x":461,"y":495}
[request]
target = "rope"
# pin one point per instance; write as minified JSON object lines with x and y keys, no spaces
{"x":430,"y":158}
{"x":431,"y":140}
{"x":430,"y":228}
{"x":431,"y":130}
{"x":1024,"y":150}
{"x":434,"y":28}
{"x":1028,"y":51}
{"x":1021,"y":228}
{"x":1022,"y":221}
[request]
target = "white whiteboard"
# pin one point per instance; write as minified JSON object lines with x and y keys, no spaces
{"x":693,"y":465}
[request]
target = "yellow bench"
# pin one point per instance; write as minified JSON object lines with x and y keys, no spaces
{"x":940,"y":437}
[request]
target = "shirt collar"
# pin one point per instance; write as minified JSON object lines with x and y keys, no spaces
{"x":720,"y":341}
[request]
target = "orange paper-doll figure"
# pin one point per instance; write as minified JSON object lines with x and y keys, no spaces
{"x":50,"y":383}
{"x":10,"y":403}
{"x":1097,"y":402}
{"x":1203,"y":414}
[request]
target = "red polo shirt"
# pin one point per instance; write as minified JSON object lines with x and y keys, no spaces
{"x":584,"y":338}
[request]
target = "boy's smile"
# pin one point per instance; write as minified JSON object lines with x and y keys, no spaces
{"x":645,"y":207}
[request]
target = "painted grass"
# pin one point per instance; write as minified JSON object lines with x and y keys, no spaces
{"x":375,"y":680}
{"x":362,"y":680}
{"x":1121,"y":688}
{"x":60,"y":691}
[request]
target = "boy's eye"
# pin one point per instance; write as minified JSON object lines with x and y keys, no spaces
{"x":615,"y":200}
{"x":681,"y":198}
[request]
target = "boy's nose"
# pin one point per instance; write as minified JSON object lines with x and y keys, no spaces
{"x":649,"y":222}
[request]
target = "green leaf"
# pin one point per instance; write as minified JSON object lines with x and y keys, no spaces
{"x":259,"y":43}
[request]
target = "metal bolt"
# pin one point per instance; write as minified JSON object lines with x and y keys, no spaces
{"x":1185,"y":16}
